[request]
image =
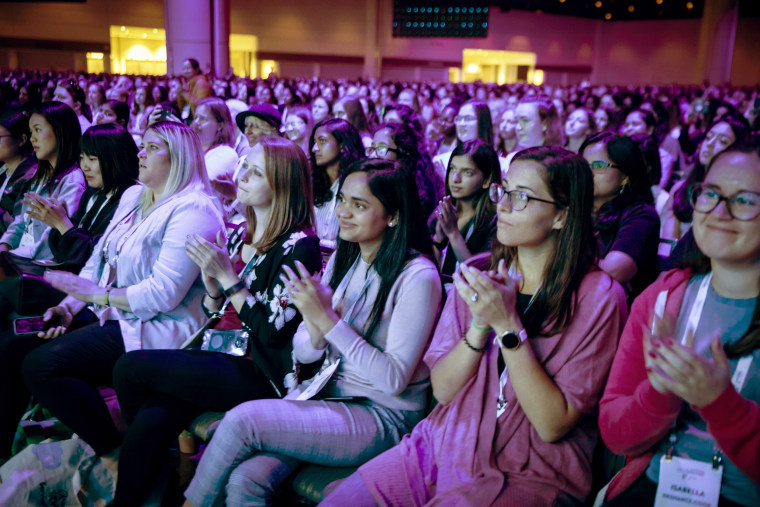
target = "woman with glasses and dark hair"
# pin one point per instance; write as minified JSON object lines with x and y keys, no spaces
{"x":371,"y":323}
{"x":399,"y":141}
{"x":515,"y":423}
{"x":73,"y":96}
{"x":335,"y":145}
{"x":626,"y":223}
{"x":722,"y":134}
{"x":465,"y":219}
{"x":18,"y":164}
{"x":682,"y":400}
{"x":473,"y":121}
{"x":298,"y":126}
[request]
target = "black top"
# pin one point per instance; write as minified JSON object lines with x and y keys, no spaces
{"x":479,"y":241}
{"x":10,"y":201}
{"x":637,"y":234}
{"x":268,"y":315}
{"x":75,"y":246}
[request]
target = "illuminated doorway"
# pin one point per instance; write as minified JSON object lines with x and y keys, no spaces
{"x":141,"y":50}
{"x":494,"y":66}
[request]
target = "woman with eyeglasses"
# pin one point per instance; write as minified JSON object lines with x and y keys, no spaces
{"x":473,"y":121}
{"x":298,"y":125}
{"x":399,"y":141}
{"x":518,"y":360}
{"x":627,"y":225}
{"x":683,"y":397}
{"x":465,"y":219}
{"x":335,"y":145}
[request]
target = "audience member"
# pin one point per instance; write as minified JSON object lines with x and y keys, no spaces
{"x":18,"y":164}
{"x":142,"y":288}
{"x":684,"y":382}
{"x":625,"y":221}
{"x":371,"y":322}
{"x":159,"y":390}
{"x":516,"y":422}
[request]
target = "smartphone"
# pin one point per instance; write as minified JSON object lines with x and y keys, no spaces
{"x":756,"y":105}
{"x":165,"y":113}
{"x":33,"y":325}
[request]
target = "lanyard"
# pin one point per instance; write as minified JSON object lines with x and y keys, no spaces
{"x":501,"y":403}
{"x":349,"y":317}
{"x":738,"y":379}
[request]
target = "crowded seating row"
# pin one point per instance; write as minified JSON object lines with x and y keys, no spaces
{"x":202,"y":288}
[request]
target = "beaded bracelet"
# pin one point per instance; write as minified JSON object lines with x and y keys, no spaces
{"x":475,"y":349}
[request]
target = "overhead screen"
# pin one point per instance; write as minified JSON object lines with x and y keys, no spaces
{"x":439,"y":19}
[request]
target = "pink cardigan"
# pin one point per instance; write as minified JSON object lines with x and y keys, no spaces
{"x":461,"y":455}
{"x":634,"y":417}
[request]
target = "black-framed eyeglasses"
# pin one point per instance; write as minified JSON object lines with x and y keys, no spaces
{"x":380,"y":149}
{"x":742,"y":206}
{"x":601,"y":165}
{"x":517,"y":199}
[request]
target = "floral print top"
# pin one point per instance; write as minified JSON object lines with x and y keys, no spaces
{"x":268,"y":315}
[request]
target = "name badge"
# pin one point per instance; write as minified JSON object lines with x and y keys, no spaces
{"x":687,"y":482}
{"x":27,"y":239}
{"x":318,"y":382}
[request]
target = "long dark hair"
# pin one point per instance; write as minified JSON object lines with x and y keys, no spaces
{"x":625,"y":154}
{"x":352,"y":150}
{"x":571,"y":185}
{"x":699,"y":263}
{"x":67,"y":131}
{"x":487,"y":162}
{"x":116,"y":152}
{"x":397,"y":192}
{"x":415,"y":158}
{"x":355,"y":113}
{"x":485,"y":122}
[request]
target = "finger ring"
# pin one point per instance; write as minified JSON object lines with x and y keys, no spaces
{"x":474,"y":297}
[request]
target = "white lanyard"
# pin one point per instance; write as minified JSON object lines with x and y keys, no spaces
{"x":501,"y":403}
{"x":739,"y":377}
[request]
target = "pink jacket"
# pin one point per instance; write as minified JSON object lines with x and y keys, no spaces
{"x":634,"y":417}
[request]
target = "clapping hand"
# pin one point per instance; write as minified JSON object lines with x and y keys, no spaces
{"x":50,"y":211}
{"x":213,"y":259}
{"x":312,"y":299}
{"x":447,"y":216}
{"x":681,"y":370}
{"x":491,"y":296}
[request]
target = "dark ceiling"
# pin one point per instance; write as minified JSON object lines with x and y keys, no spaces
{"x":612,"y":10}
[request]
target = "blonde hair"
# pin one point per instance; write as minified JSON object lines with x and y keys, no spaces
{"x":188,"y":168}
{"x":289,"y":176}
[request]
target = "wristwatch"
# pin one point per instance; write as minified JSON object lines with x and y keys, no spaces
{"x":510,"y":340}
